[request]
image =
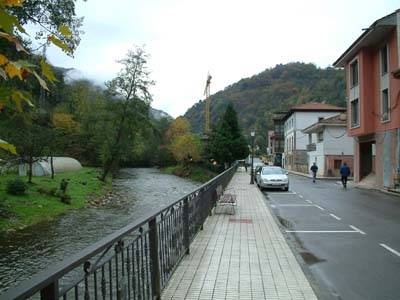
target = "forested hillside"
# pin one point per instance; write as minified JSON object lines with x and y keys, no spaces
{"x":256,"y":98}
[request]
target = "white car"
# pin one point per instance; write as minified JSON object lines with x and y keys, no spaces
{"x":273,"y":177}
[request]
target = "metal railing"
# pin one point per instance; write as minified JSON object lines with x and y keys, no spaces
{"x":134,"y":262}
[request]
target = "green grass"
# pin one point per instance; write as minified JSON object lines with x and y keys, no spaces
{"x":192,"y":172}
{"x":17,"y":212}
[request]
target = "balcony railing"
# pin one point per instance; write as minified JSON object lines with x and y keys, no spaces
{"x":311,"y":147}
{"x":134,"y":262}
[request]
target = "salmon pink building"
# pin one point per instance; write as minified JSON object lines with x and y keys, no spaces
{"x":372,"y":65}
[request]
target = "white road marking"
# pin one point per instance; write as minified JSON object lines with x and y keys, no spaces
{"x":309,"y":201}
{"x":390,"y":249}
{"x":357,"y":229}
{"x":336,"y":217}
{"x":301,"y":196}
{"x":281,"y":193}
{"x":323,"y":231}
{"x":321,"y":208}
{"x":299,"y":205}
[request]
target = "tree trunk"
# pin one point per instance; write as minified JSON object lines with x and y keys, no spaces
{"x":30,"y":165}
{"x":52,"y":167}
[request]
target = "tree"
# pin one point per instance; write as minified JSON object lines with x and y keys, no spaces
{"x":30,"y":140}
{"x":131,"y":109}
{"x":180,"y":126}
{"x":57,"y":25}
{"x":226,"y":143}
{"x":186,"y":148}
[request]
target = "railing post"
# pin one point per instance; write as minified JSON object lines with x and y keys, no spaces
{"x":186,"y":238}
{"x":155,"y":266}
{"x":50,"y":292}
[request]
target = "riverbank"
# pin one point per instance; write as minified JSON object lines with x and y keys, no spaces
{"x":41,"y":202}
{"x":192,"y":172}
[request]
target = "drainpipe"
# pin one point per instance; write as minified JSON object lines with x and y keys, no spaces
{"x":398,"y":37}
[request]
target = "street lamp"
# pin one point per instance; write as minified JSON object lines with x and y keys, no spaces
{"x":252,"y":133}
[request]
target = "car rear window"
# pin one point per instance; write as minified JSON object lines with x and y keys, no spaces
{"x":272,"y":171}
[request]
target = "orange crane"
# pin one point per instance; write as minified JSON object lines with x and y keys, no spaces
{"x":207,"y":109}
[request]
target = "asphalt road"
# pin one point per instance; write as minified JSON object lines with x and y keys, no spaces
{"x":350,"y":238}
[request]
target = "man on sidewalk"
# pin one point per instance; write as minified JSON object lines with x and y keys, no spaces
{"x":314,"y":170}
{"x":345,"y":172}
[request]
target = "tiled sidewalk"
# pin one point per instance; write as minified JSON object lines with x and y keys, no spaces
{"x":242,"y":256}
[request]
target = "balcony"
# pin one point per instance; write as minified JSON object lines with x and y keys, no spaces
{"x":278,"y":135}
{"x":311,"y":147}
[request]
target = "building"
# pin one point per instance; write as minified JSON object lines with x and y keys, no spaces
{"x":372,"y":66}
{"x":270,"y":142}
{"x":277,"y":139}
{"x":329,"y":145}
{"x":295,"y":142}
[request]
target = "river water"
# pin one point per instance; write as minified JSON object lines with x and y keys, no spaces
{"x":24,"y":253}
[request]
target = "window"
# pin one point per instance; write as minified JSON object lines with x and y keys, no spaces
{"x":385,"y":105}
{"x":320,"y":136}
{"x":310,"y":138}
{"x":337,"y":163}
{"x":355,"y":113}
{"x":384,"y":60}
{"x":354,"y":73}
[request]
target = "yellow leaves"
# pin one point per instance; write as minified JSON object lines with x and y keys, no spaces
{"x":47,"y":71}
{"x":65,"y":31}
{"x":60,"y":44}
{"x":7,"y":147}
{"x":65,"y":122}
{"x":19,"y":97}
{"x":13,"y":2}
{"x":12,"y":70}
{"x":3,"y":59}
{"x":186,"y":148}
{"x":179,"y":126}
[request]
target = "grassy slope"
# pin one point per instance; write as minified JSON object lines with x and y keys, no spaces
{"x":34,"y":207}
{"x":194,"y":172}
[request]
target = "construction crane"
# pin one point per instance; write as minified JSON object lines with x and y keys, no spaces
{"x":207,"y":109}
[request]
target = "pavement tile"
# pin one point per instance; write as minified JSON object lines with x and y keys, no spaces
{"x":240,"y":260}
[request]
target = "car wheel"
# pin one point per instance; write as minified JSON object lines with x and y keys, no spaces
{"x":286,"y":189}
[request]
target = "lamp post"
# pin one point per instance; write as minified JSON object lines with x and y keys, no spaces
{"x":252,"y":134}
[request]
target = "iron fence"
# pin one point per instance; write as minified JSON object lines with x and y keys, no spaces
{"x":135,"y":262}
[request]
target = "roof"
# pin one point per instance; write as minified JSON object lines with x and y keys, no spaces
{"x":370,"y":37}
{"x":339,"y":120}
{"x":312,"y":107}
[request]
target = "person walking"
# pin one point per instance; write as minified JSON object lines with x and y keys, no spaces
{"x":314,"y":170}
{"x":345,"y":172}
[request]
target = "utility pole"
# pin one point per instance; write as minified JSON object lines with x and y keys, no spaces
{"x":252,"y":133}
{"x":207,"y":108}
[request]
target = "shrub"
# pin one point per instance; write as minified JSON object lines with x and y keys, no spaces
{"x":16,"y":187}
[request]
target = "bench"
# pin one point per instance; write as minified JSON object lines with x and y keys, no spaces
{"x":225,"y":200}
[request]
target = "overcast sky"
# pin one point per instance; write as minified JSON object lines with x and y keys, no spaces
{"x":230,"y":39}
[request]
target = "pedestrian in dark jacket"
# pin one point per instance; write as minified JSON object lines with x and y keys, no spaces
{"x":345,"y":172}
{"x":314,"y":170}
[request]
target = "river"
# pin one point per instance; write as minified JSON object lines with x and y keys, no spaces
{"x":24,"y":253}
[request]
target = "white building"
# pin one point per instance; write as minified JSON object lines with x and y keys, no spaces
{"x":329,"y":145}
{"x":296,"y":119}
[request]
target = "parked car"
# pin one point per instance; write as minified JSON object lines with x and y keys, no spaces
{"x":273,"y":177}
{"x":257,"y":165}
{"x":257,"y":171}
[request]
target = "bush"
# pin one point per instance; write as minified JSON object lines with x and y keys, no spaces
{"x":16,"y":187}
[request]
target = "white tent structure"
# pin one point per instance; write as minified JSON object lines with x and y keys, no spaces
{"x":43,"y":167}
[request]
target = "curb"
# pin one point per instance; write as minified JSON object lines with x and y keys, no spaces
{"x":319,"y":178}
{"x":389,"y":192}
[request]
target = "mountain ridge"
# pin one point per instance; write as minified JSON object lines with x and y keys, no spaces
{"x":256,"y":98}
